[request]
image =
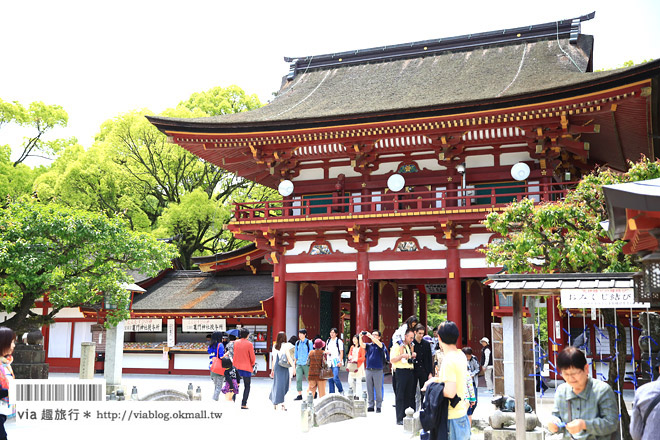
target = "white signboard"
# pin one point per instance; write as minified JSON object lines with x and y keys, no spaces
{"x":203,"y":325}
{"x":599,"y":298}
{"x":171,"y":330}
{"x":143,"y":325}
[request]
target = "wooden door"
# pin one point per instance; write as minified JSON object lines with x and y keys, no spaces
{"x":388,"y":309}
{"x":308,"y":309}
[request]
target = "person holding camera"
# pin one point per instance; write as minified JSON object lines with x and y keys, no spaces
{"x":375,"y":358}
{"x":402,"y":357}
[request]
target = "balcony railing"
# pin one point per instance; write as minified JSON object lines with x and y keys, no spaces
{"x":333,"y":205}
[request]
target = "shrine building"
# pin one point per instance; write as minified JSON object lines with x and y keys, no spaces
{"x":388,"y":159}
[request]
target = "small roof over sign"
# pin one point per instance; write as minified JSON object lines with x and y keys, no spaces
{"x":553,"y":283}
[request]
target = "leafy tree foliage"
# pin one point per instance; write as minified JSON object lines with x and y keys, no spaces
{"x":133,"y":172}
{"x":566,"y":236}
{"x":15,"y":180}
{"x":39,"y":118}
{"x":222,"y":101}
{"x":69,"y":256}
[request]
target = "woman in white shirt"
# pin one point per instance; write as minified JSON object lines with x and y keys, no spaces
{"x":335,"y":356}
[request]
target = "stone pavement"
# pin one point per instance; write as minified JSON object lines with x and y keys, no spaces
{"x":260,"y":421}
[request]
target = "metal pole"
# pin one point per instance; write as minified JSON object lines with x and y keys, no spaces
{"x":518,"y":365}
{"x":648,"y":336}
{"x":632,"y":349}
{"x":618,"y":373}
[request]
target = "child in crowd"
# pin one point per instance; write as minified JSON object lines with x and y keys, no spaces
{"x":232,"y":379}
{"x":400,"y":333}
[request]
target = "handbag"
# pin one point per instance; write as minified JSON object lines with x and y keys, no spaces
{"x":326,"y":372}
{"x":283,"y":361}
{"x":216,"y":366}
{"x":351,"y":367}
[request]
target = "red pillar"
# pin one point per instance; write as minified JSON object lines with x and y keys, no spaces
{"x":353,"y":313}
{"x":362,"y":298}
{"x":554,"y":332}
{"x":423,"y":315}
{"x":279,"y":296}
{"x":454,"y":297}
{"x":452,"y":191}
{"x":408,"y":303}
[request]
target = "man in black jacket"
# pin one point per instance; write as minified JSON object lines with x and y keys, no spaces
{"x":423,"y":360}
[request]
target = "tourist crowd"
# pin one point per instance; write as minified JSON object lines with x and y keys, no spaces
{"x":419,"y":358}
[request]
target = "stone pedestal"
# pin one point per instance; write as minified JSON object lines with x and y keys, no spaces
{"x":87,"y":357}
{"x":510,"y":434}
{"x":114,"y":355}
{"x":29,"y":362}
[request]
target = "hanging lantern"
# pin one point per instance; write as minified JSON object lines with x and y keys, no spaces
{"x":641,"y":294}
{"x":109,"y":302}
{"x":651,"y":265}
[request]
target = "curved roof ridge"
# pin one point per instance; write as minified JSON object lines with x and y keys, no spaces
{"x":556,"y":29}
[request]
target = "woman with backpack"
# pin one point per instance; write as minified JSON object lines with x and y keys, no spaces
{"x":335,"y":355}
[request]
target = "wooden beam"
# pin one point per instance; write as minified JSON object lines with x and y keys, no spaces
{"x":518,"y":365}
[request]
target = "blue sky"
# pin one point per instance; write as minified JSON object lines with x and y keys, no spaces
{"x":100,"y":59}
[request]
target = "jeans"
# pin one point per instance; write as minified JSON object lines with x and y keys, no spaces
{"x":459,"y":429}
{"x":335,"y":381}
{"x":246,"y":389}
{"x":218,"y":382}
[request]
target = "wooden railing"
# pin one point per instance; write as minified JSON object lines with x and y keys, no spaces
{"x":331,"y":205}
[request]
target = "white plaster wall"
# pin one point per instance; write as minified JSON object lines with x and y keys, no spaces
{"x":384,"y":244}
{"x":514,"y":145}
{"x":341,"y":246}
{"x":291,"y":309}
{"x":476,"y":240}
{"x":408,"y":264}
{"x":347,"y":171}
{"x":485,"y":160}
{"x":309,"y":174}
{"x":321,"y":267}
{"x":514,"y":158}
{"x":300,"y":247}
{"x":431,"y":243}
{"x":430,"y":164}
{"x":386,"y":168}
{"x":473,"y":263}
{"x":71,"y":312}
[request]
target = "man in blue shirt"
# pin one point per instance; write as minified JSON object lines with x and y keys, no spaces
{"x":374,"y":361}
{"x":303,"y":347}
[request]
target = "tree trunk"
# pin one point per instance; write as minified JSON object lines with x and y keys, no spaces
{"x":617,"y":334}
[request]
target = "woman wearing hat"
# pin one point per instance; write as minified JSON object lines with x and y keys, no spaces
{"x":487,"y":363}
{"x":315,"y":361}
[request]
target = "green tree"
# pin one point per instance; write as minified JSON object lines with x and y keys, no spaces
{"x":566,"y":236}
{"x":15,"y":180}
{"x":194,"y":223}
{"x":133,"y":172}
{"x":38,"y":118}
{"x":221,"y":101}
{"x":71,"y":257}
